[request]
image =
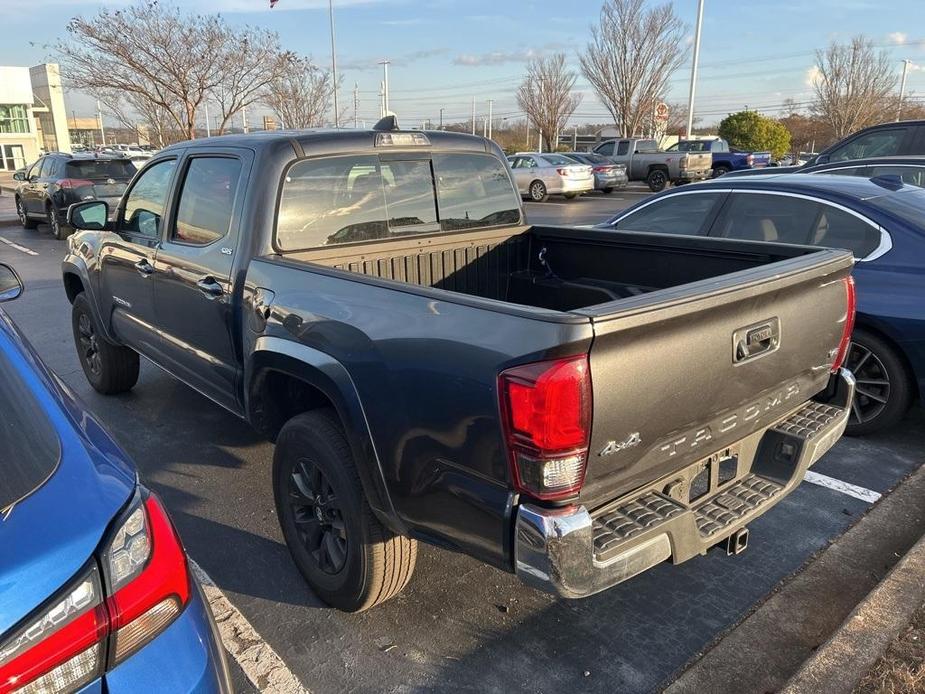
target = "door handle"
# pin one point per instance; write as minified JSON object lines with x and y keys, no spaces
{"x":144,"y":267}
{"x":209,"y":287}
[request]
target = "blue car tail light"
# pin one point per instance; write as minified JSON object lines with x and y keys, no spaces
{"x":102,"y":618}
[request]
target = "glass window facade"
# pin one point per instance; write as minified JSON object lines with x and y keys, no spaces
{"x":14,"y":118}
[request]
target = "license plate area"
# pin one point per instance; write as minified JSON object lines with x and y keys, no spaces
{"x":705,"y":478}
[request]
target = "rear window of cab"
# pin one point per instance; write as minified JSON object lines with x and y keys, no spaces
{"x":356,"y":198}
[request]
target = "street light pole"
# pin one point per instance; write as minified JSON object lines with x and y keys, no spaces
{"x":490,"y":104}
{"x":333,"y":62}
{"x":385,"y":86}
{"x":441,"y":119}
{"x":99,"y":118}
{"x":473,"y":115}
{"x":690,"y":100}
{"x":902,"y":89}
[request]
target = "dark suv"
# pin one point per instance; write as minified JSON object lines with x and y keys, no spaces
{"x":57,"y":180}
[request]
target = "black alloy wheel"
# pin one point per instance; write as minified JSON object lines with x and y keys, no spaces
{"x":89,"y":349}
{"x":318,"y":517}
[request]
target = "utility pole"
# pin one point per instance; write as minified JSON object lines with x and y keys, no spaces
{"x":385,"y":85}
{"x":441,"y":119}
{"x":99,"y":119}
{"x":208,"y":131}
{"x":575,"y":139}
{"x":244,"y":119}
{"x":333,"y":62}
{"x":902,"y":89}
{"x":473,"y":115}
{"x":356,"y":103}
{"x":491,"y":103}
{"x":690,"y":100}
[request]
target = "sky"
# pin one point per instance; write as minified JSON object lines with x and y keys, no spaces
{"x":444,"y":53}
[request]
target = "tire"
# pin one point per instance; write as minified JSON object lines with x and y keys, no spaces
{"x":607,"y":191}
{"x":720,"y":171}
{"x":109,"y":368}
{"x":884,"y":389}
{"x":349,"y":559}
{"x":23,"y":217}
{"x":58,"y":230}
{"x":657,"y":180}
{"x":569,"y":196}
{"x":537,"y":192}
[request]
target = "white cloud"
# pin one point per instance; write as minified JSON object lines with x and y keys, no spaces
{"x":812,"y":76}
{"x":522,"y":55}
{"x":897,"y":37}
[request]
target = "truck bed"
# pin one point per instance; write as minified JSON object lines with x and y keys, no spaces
{"x":556,"y":268}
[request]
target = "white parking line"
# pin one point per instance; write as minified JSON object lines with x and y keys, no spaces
{"x":27,"y":251}
{"x":857,"y":492}
{"x":263,"y":667}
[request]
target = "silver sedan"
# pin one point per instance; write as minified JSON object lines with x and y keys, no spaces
{"x":540,"y":175}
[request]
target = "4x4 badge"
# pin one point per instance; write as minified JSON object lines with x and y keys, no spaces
{"x":612,"y":447}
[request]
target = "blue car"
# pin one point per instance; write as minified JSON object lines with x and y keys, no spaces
{"x":96,"y":594}
{"x":881,"y":220}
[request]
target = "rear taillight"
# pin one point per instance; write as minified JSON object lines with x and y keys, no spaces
{"x":848,"y":327}
{"x":562,"y":171}
{"x":70,"y":183}
{"x":602,"y":169}
{"x":61,"y":648}
{"x":546,"y":411}
{"x":65,"y":645}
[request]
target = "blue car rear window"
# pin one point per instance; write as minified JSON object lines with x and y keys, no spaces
{"x":29,"y":446}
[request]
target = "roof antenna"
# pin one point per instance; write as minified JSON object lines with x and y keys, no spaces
{"x":386,"y":124}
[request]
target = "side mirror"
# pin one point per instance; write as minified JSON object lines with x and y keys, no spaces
{"x":821,"y":159}
{"x":10,"y":284}
{"x":91,"y":215}
{"x":19,"y":176}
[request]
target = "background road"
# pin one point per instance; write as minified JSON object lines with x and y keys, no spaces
{"x":459,"y":625}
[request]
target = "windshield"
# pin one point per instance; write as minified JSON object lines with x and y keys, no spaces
{"x":348,"y":199}
{"x":29,"y":448}
{"x":907,"y":204}
{"x":119,"y":169}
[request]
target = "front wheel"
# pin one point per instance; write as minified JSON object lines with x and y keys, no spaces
{"x":109,"y":368}
{"x":23,"y":217}
{"x":884,"y":387}
{"x":349,"y":559}
{"x":538,"y":191}
{"x":657,"y":180}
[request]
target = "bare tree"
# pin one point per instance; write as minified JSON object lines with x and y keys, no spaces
{"x":546,"y":95}
{"x":852,"y":81}
{"x":299,"y":93}
{"x":632,"y":54}
{"x":154,"y":59}
{"x":249,"y":63}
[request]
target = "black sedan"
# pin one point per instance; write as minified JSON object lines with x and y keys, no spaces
{"x":607,"y":175}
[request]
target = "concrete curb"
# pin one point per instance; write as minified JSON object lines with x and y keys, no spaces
{"x":840,"y":663}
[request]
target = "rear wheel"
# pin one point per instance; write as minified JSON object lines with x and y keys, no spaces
{"x":720,"y":171}
{"x":538,"y":191}
{"x":58,"y":230}
{"x":23,"y":217}
{"x":884,"y":387}
{"x":570,"y":196}
{"x":109,"y":368}
{"x":607,"y":191}
{"x":345,"y":554}
{"x":657,"y":180}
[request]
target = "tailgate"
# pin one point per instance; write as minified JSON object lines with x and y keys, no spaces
{"x":684,"y":372}
{"x":698,"y":161}
{"x":760,"y":159}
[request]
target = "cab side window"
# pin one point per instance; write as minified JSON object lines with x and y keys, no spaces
{"x":144,"y":205}
{"x":606,"y":149}
{"x":623,"y":147}
{"x":206,"y":200}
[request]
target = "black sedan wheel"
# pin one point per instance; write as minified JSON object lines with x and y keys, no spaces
{"x":883,"y":392}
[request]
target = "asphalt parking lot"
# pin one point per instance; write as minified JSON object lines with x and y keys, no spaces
{"x":459,"y":625}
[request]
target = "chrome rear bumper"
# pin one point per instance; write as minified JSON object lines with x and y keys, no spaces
{"x":573,"y":554}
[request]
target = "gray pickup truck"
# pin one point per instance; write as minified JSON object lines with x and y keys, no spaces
{"x":644,"y":161}
{"x":573,"y":405}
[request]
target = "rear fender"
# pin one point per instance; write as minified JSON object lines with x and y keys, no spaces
{"x":328,"y":376}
